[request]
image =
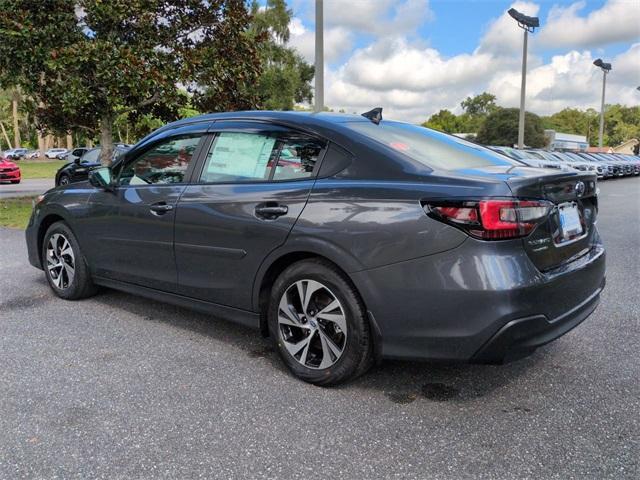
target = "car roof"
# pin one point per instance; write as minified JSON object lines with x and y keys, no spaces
{"x":312,"y":120}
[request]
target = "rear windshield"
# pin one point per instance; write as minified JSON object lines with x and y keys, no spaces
{"x":436,"y":150}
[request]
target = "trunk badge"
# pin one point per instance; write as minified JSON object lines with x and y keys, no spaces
{"x":579,"y":188}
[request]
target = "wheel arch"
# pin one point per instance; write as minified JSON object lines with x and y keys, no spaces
{"x":277,"y":265}
{"x":44,"y":225}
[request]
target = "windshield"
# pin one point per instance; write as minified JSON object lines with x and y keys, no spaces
{"x":436,"y":150}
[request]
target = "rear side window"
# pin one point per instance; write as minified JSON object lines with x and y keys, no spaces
{"x":239,"y":157}
{"x":236,"y":157}
{"x":298,"y":158}
{"x":436,"y":150}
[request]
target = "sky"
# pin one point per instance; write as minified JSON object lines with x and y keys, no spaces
{"x":415,"y":57}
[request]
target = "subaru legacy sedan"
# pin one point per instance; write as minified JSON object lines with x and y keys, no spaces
{"x":346,"y":239}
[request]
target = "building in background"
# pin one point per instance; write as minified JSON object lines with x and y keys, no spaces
{"x":629,"y":147}
{"x":566,"y":141}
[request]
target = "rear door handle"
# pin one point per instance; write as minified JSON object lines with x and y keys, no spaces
{"x":271,"y":212}
{"x":160,"y":208}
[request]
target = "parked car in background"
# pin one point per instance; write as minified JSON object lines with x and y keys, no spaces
{"x":34,"y":154}
{"x":531,"y":158}
{"x":371,"y":239}
{"x":53,"y":153}
{"x":76,"y":153}
{"x":16,"y":153}
{"x":584,"y":165}
{"x":633,"y":160}
{"x":9,"y":171}
{"x":78,"y":170}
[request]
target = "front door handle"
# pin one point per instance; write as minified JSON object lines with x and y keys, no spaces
{"x":271,"y":211}
{"x":160,"y":208}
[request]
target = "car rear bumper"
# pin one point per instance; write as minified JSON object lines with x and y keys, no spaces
{"x":522,"y":336}
{"x":482,"y":301}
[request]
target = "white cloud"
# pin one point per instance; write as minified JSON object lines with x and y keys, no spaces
{"x":616,"y":21}
{"x":337,"y":41}
{"x":503,"y":36}
{"x":412,"y":80}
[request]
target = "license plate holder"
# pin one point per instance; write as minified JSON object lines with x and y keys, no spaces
{"x":570,"y":224}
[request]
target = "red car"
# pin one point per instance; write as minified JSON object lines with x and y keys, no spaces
{"x":9,"y":171}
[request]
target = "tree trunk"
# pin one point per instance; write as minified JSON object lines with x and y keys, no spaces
{"x":6,"y":137}
{"x":106,"y":140}
{"x":69,"y":142}
{"x":41,"y":143}
{"x":16,"y":125}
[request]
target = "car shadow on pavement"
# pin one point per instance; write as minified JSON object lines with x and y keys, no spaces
{"x":401,"y":382}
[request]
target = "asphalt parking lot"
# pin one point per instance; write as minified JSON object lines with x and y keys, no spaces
{"x":121,"y":387}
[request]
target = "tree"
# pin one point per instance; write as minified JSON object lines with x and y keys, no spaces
{"x":84,"y":63}
{"x":444,"y":121}
{"x":286,"y":78}
{"x":501,"y":128}
{"x":482,"y":105}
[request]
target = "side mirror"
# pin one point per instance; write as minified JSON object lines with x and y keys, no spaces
{"x":101,"y":178}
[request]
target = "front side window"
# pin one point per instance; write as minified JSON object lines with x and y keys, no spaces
{"x":92,"y":156}
{"x":165,"y":163}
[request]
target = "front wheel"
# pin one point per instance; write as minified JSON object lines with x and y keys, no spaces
{"x":319,"y":324}
{"x":64,"y":180}
{"x":64,"y":265}
{"x":15,"y":182}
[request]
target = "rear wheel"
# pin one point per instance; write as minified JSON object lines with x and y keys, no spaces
{"x":319,"y":324}
{"x":64,"y":265}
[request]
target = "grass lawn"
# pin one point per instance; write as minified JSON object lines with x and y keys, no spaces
{"x":15,"y":212}
{"x":39,"y":169}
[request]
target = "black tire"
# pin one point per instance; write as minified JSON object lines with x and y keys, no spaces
{"x":64,"y":180}
{"x":80,"y":285}
{"x":357,"y":354}
{"x":15,"y":182}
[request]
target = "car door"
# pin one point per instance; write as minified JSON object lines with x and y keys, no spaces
{"x":248,"y":191}
{"x":131,"y":227}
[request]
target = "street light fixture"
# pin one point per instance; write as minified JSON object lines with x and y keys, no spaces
{"x":528,"y":24}
{"x":606,"y":68}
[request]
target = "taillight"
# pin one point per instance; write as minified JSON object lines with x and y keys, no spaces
{"x":492,"y":219}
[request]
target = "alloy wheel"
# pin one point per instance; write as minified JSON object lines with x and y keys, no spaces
{"x":64,"y":180}
{"x":312,"y":324}
{"x":60,"y":261}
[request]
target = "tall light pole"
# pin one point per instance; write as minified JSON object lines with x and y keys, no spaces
{"x":528,"y":24}
{"x":606,"y":68}
{"x":319,"y":71}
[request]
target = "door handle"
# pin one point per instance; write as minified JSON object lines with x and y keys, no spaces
{"x":271,"y":211}
{"x":160,"y":208}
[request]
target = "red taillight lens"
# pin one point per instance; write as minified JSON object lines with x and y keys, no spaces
{"x":492,"y":219}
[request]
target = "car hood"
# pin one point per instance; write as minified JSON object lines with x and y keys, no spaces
{"x":7,"y":164}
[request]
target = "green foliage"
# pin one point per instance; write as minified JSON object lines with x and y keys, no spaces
{"x":501,"y":128}
{"x":83,"y":63}
{"x":480,"y":105}
{"x":445,"y":121}
{"x":286,"y":77}
{"x":620,"y":123}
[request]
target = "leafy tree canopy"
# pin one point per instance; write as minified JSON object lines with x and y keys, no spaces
{"x":445,"y":121}
{"x":481,"y":105}
{"x":501,"y":128}
{"x":286,"y":77}
{"x":82,"y":63}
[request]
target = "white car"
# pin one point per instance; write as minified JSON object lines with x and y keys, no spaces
{"x":54,"y":152}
